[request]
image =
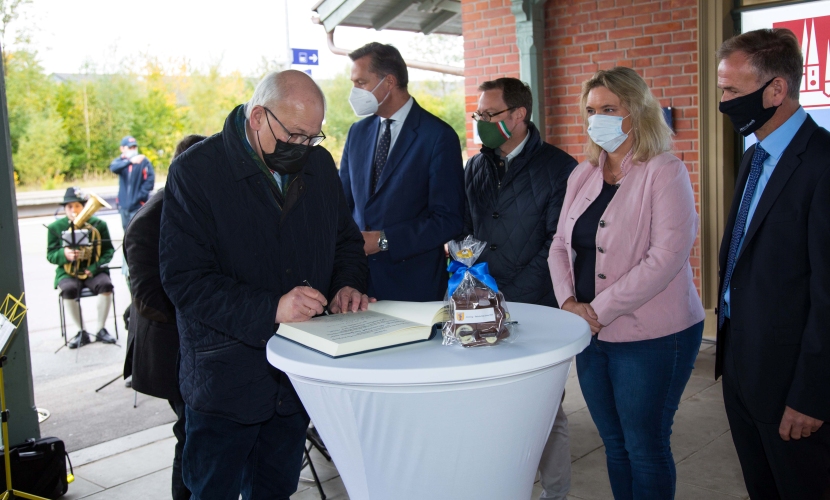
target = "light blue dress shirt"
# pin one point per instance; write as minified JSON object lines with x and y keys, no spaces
{"x":774,"y":144}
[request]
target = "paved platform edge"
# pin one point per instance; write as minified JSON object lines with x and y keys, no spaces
{"x":120,"y":445}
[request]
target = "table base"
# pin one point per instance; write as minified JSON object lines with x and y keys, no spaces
{"x":456,"y":441}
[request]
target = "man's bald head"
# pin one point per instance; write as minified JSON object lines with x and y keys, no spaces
{"x":285,"y":105}
{"x":288,"y":85}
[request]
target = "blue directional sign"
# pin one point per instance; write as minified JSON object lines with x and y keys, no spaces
{"x":305,"y":56}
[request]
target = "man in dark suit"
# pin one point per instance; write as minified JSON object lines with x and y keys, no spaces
{"x":774,"y":311}
{"x":403,"y":178}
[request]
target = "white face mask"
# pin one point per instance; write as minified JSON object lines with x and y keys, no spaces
{"x":606,"y":131}
{"x":364,"y":102}
{"x":130,"y":152}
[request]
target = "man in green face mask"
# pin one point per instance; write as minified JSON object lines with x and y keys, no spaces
{"x":515,"y":188}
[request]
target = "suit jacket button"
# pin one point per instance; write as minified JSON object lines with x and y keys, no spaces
{"x":495,"y":215}
{"x":601,"y":223}
{"x":264,"y":341}
{"x":279,"y":403}
{"x":288,"y":271}
{"x":600,"y":250}
{"x":493,"y":247}
{"x":368,"y":228}
{"x":601,"y":276}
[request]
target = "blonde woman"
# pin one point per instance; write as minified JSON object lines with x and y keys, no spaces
{"x":620,"y":260}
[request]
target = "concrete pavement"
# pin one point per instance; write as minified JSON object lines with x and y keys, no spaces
{"x":121,"y":452}
{"x":138,"y":466}
{"x":65,"y":381}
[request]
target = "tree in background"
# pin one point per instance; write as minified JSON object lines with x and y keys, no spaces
{"x":37,"y":130}
{"x":158,"y":121}
{"x":97,"y":110}
{"x":339,"y":113}
{"x":68,"y":127}
{"x":211,"y":96}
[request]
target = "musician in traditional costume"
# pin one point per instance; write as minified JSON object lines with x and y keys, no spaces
{"x":79,"y":244}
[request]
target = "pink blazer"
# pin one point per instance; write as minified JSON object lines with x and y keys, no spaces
{"x":648,"y":232}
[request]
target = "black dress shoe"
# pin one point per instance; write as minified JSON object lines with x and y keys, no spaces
{"x":81,"y":339}
{"x":104,"y":336}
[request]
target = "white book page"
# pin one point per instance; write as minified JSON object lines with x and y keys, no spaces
{"x":423,"y":313}
{"x":343,"y":328}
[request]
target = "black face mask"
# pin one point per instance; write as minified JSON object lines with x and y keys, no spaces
{"x":287,"y":158}
{"x":747,"y":112}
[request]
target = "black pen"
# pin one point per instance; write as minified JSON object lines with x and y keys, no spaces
{"x":325,"y":309}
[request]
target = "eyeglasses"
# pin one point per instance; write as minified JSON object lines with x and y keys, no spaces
{"x":484,"y":116}
{"x":312,"y":140}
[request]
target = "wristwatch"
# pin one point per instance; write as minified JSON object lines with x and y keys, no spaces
{"x":383,"y":244}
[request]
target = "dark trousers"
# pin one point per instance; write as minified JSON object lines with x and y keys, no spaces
{"x":71,"y":287}
{"x":774,"y":469}
{"x":179,"y":490}
{"x":223,"y":458}
{"x":633,"y":390}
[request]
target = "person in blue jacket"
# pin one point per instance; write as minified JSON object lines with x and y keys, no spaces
{"x":135,"y":179}
{"x":255,"y":232}
{"x":404,"y":180}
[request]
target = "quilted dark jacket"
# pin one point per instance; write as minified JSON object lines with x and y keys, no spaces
{"x":230,"y":247}
{"x":518,"y":218}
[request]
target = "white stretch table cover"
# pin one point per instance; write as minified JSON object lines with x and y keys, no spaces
{"x":427,"y":421}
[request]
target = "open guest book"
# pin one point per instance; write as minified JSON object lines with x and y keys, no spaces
{"x":387,"y":323}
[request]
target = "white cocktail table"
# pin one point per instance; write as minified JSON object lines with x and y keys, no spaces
{"x":427,"y":421}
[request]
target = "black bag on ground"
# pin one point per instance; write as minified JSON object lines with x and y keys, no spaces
{"x":38,"y":467}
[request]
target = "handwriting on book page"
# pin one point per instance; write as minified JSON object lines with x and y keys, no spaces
{"x":360,"y":326}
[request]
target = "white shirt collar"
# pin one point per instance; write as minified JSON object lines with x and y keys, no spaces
{"x":400,"y":115}
{"x":518,"y":149}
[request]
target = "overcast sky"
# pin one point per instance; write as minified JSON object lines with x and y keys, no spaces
{"x":239,"y":33}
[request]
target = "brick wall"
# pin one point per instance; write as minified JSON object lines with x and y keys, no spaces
{"x":490,"y":50}
{"x":658,"y":38}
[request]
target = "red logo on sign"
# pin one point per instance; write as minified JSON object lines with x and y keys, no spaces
{"x":814,"y":36}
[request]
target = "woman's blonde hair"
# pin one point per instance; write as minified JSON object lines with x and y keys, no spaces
{"x":651,"y":134}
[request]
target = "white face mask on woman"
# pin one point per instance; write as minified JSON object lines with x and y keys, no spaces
{"x":364,"y":102}
{"x":606,"y":131}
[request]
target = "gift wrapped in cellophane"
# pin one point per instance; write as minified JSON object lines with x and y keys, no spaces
{"x":477,"y":310}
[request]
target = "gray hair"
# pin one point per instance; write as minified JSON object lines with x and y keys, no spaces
{"x":274,"y":87}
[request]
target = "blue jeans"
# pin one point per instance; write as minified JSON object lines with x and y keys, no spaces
{"x":126,"y":216}
{"x":633,"y":390}
{"x":223,"y":458}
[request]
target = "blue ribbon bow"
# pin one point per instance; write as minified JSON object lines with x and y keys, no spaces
{"x":479,"y":271}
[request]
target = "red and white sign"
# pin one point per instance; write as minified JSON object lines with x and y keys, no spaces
{"x":810,"y":22}
{"x":814,"y":36}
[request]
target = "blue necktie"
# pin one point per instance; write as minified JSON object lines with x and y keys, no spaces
{"x":381,"y":154}
{"x":755,"y":169}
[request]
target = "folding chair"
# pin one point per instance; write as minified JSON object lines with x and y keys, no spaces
{"x":85,"y":292}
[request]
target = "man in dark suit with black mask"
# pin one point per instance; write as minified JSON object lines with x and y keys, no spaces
{"x":774,"y":311}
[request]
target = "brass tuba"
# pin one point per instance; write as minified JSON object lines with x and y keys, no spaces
{"x":91,"y":251}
